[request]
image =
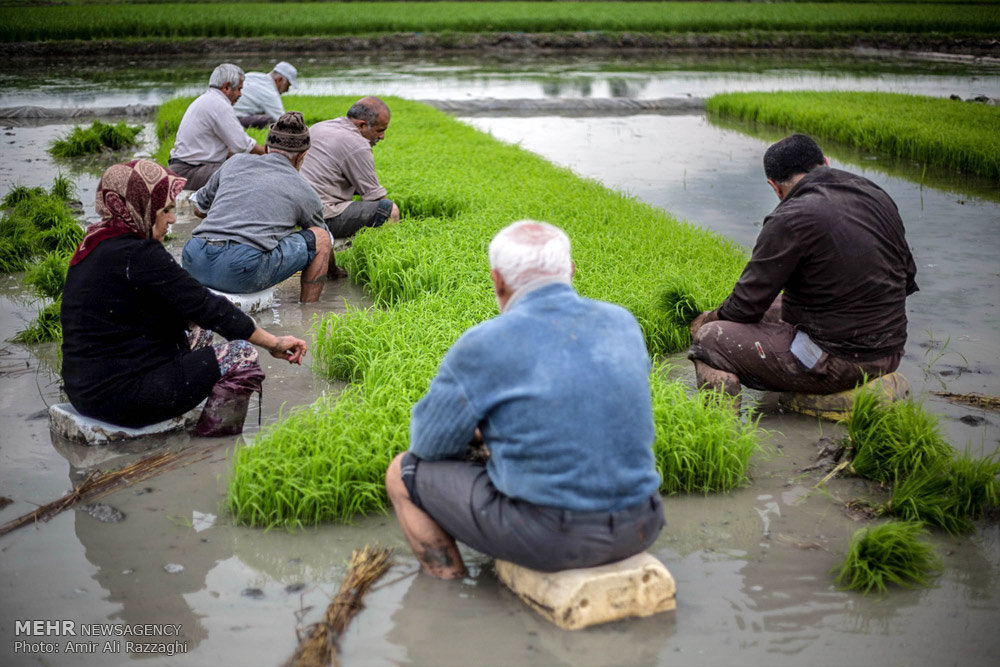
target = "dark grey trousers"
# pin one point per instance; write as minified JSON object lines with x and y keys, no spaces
{"x":460,"y":497}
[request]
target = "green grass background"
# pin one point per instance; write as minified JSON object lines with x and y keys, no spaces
{"x":145,"y":21}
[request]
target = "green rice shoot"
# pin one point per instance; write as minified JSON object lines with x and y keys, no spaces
{"x":892,"y":553}
{"x":699,"y":446}
{"x":313,"y":19}
{"x":893,"y":440}
{"x":38,"y":234}
{"x":949,"y":495}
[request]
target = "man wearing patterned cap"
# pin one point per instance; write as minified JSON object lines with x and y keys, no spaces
{"x":260,"y":105}
{"x":251,"y":207}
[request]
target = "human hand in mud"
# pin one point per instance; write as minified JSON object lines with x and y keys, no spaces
{"x":702,"y":320}
{"x":477,"y":451}
{"x":290,"y":348}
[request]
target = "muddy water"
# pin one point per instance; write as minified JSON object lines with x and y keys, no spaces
{"x":751,"y":566}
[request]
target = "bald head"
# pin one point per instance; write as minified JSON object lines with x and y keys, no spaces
{"x":371,"y":116}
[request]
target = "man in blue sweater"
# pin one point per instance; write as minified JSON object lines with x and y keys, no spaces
{"x":557,"y":389}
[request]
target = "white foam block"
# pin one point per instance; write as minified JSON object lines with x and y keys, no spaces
{"x":70,"y":424}
{"x":572,"y":599}
{"x":250,"y":303}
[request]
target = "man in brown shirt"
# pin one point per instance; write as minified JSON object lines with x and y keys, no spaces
{"x":340,"y":164}
{"x":822,"y":301}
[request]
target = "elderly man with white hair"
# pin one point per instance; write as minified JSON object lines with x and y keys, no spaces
{"x":557,"y":389}
{"x":210,"y":131}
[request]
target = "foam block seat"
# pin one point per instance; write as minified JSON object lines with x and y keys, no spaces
{"x":572,"y":599}
{"x":250,"y":303}
{"x":64,"y":420}
{"x":835,"y":407}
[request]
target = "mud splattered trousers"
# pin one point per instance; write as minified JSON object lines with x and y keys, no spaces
{"x":226,"y":406}
{"x":760,"y":355}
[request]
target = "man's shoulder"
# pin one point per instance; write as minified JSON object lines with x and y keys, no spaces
{"x":341,"y":130}
{"x":256,"y":77}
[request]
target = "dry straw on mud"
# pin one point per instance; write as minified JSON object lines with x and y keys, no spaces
{"x":319,"y":647}
{"x":977,"y":400}
{"x":98,"y":484}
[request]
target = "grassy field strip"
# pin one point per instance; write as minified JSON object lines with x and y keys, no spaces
{"x":960,"y":135}
{"x":429,"y":278}
{"x":146,"y":21}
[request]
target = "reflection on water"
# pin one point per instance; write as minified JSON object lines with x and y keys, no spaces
{"x":120,"y":81}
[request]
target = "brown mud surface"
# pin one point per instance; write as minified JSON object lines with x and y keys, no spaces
{"x":512,"y":41}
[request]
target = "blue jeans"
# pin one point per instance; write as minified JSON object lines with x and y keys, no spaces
{"x":236,"y":268}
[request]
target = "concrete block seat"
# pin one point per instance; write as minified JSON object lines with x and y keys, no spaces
{"x":250,"y":303}
{"x":64,"y":420}
{"x":835,"y":407}
{"x":572,"y":599}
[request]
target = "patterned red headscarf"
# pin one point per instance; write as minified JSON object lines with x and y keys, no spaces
{"x":128,"y":198}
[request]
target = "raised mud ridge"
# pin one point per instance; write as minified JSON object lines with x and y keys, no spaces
{"x":506,"y":41}
{"x":574,"y":106}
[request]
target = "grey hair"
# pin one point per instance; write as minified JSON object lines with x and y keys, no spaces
{"x":527,"y":250}
{"x":226,"y":73}
{"x":367,"y":109}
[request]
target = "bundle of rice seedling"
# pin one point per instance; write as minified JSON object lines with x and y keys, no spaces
{"x":893,"y":440}
{"x":891,"y":553}
{"x":949,"y":494}
{"x":97,"y":138}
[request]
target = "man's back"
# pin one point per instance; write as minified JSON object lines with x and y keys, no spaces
{"x":256,"y":200}
{"x":260,"y":96}
{"x":837,"y":247}
{"x":209,"y":130}
{"x":340,"y":164}
{"x":561,"y":386}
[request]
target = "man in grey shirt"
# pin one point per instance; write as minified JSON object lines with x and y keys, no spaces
{"x":248,"y":239}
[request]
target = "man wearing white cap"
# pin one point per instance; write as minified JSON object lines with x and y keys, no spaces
{"x":261,"y":104}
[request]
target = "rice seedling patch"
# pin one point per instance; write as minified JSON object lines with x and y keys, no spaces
{"x":38,"y":234}
{"x":96,"y":138}
{"x":429,"y":279}
{"x":171,"y":21}
{"x":960,"y":135}
{"x":889,"y":554}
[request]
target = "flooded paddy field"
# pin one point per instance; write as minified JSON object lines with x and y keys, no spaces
{"x":751,"y":566}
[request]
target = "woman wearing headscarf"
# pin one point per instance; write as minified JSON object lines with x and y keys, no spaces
{"x":136,"y":326}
